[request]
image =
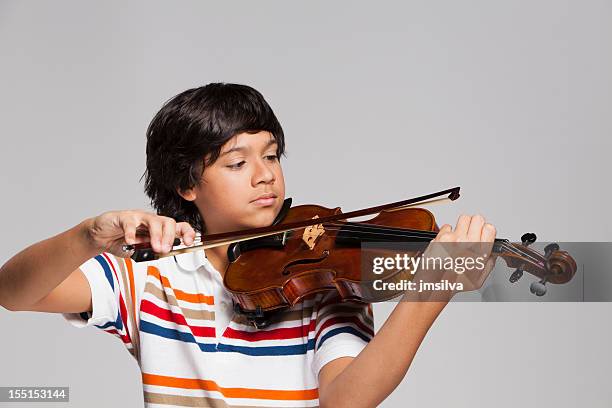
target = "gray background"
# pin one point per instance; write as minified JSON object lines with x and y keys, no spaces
{"x":380,"y":101}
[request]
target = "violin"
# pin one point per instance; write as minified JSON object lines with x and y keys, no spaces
{"x":310,"y":249}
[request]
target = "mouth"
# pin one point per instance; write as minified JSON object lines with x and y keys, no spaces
{"x":264,"y":200}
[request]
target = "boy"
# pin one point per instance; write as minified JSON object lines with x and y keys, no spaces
{"x":213,"y":166}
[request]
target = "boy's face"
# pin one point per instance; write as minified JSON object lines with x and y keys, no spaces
{"x":228,"y":194}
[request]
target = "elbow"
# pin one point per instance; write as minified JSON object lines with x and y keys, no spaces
{"x":329,"y":403}
{"x":8,"y":307}
{"x":325,"y":402}
{"x":4,"y":299}
{"x":13,"y":307}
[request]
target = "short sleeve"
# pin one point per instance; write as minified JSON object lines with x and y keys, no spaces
{"x":343,"y":329}
{"x":105,"y":274}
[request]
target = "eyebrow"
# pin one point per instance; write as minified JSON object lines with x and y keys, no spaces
{"x":243,"y":148}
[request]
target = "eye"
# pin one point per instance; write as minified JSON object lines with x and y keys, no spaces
{"x":272,"y":157}
{"x":236,"y":166}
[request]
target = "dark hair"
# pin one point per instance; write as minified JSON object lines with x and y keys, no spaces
{"x":187,"y":134}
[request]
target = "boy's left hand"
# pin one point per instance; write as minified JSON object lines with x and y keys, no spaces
{"x":468,"y":246}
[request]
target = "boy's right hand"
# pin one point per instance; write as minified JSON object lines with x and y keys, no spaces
{"x":108,"y":232}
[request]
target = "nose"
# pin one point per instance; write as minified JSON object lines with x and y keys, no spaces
{"x":263,"y":173}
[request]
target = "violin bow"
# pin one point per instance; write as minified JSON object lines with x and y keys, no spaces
{"x":224,"y":238}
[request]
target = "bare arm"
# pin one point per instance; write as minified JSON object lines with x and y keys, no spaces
{"x":45,"y":276}
{"x":383,"y":363}
{"x":387,"y":357}
{"x":33,"y":273}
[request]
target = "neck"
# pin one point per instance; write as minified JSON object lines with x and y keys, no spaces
{"x":218,"y":258}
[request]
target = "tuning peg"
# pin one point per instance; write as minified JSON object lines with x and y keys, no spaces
{"x":550,"y":248}
{"x":538,"y":288}
{"x":528,"y":238}
{"x":516,"y":275}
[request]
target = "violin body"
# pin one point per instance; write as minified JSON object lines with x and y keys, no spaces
{"x":280,"y":271}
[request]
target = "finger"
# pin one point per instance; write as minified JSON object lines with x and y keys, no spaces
{"x":142,"y":231}
{"x":488,"y":233}
{"x":463,"y":223}
{"x":154,"y":225}
{"x":129,"y":232}
{"x":168,"y":233}
{"x":475,"y":229}
{"x":443,"y":232}
{"x":140,"y":239}
{"x":185,"y":232}
{"x":482,"y":277}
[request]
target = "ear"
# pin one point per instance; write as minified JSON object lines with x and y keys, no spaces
{"x":188,"y":194}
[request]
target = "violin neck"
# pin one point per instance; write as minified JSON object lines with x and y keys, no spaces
{"x":354,"y":233}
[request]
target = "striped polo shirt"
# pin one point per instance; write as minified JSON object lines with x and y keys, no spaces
{"x":176,"y":319}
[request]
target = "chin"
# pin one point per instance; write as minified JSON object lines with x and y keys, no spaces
{"x":263,"y":218}
{"x":258,"y":217}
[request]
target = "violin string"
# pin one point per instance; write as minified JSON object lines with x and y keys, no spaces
{"x":398,"y":232}
{"x":374,"y":227}
{"x":503,"y":244}
{"x":420,"y":233}
{"x":380,"y":232}
{"x":390,"y":233}
{"x":511,"y":248}
{"x":426,"y":234}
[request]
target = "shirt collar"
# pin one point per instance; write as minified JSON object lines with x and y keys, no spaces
{"x":192,"y":261}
